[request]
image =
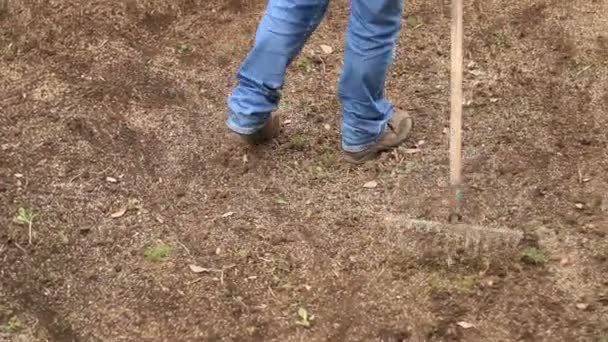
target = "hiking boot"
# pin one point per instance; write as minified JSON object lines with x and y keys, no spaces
{"x":270,"y":131}
{"x":396,"y":132}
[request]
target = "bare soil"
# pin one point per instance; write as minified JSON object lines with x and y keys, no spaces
{"x":109,"y":106}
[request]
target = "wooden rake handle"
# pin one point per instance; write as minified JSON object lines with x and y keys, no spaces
{"x":456,"y":108}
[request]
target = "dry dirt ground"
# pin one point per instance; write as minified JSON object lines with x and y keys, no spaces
{"x":112,"y":136}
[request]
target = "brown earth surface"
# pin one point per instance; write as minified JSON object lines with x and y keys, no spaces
{"x":107,"y":106}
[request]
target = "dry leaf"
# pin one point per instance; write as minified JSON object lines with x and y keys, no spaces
{"x":370,"y":185}
{"x":582,"y":306}
{"x":303,"y":323}
{"x":465,"y":325}
{"x":326,"y":49}
{"x":412,"y":150}
{"x":228,"y":214}
{"x":119,"y":213}
{"x":327,"y":127}
{"x":18,"y":175}
{"x":198,"y":269}
{"x":286,"y":122}
{"x":420,"y":143}
{"x":245,"y":158}
{"x":111,"y":180}
{"x":579,"y":205}
{"x":303,"y":313}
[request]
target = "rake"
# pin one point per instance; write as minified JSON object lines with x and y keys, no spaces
{"x":455,"y":227}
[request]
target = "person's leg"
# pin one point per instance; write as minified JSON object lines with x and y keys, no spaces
{"x":373,"y":32}
{"x":281,"y":35}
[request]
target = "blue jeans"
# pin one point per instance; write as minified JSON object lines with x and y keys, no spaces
{"x":373,"y":31}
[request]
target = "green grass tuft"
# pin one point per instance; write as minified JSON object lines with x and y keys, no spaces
{"x":534,"y":256}
{"x":462,"y":284}
{"x":14,"y":325}
{"x":157,"y":252}
{"x":184,"y":47}
{"x":298,"y":142}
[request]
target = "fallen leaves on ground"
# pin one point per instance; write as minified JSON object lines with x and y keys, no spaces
{"x":326,"y":49}
{"x":199,"y":269}
{"x":465,"y":325}
{"x":371,"y":185}
{"x":119,"y":213}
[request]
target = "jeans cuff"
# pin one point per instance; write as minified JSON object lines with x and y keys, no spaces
{"x":232,"y":125}
{"x":357,"y":148}
{"x":362,"y":147}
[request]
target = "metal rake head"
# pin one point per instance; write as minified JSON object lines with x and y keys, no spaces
{"x":472,"y":238}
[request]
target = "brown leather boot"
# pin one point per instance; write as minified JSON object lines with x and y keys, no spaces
{"x":268,"y":132}
{"x":396,"y":132}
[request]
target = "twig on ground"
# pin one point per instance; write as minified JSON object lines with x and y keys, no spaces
{"x":583,"y":70}
{"x":21,"y":248}
{"x":272,"y":292}
{"x":194,"y":281}
{"x":30,"y":232}
{"x":184,"y":246}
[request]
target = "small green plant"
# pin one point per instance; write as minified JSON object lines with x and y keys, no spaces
{"x":318,"y":172}
{"x":406,"y":168}
{"x":298,"y":142}
{"x":251,"y":330}
{"x":304,"y":64}
{"x":157,"y":252}
{"x":463,"y":285}
{"x":466,"y":284}
{"x":534,"y":256}
{"x":305,"y":318}
{"x":282,"y":200}
{"x":502,"y":40}
{"x":26,"y":216}
{"x":14,"y":325}
{"x":184,"y":47}
{"x":328,"y":158}
{"x":324,"y":164}
{"x":415,"y":22}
